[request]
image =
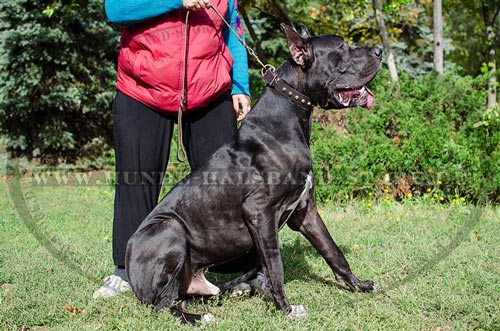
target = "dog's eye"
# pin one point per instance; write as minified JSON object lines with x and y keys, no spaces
{"x":342,"y":46}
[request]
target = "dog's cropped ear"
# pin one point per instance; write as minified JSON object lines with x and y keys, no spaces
{"x":300,"y":47}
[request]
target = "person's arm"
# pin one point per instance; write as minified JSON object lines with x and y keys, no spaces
{"x":239,"y":53}
{"x":126,"y":12}
{"x":241,"y":87}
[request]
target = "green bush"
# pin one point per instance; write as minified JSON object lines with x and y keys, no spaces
{"x":57,"y":74}
{"x":428,"y":133}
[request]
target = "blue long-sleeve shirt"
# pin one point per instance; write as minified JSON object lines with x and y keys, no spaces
{"x":127,"y":12}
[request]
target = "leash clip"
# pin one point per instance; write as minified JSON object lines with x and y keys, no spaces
{"x":266,"y":68}
{"x":268,"y":72}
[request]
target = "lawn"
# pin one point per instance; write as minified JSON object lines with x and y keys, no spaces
{"x":436,"y":267}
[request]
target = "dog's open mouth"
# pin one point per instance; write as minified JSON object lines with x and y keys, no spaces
{"x":362,"y":97}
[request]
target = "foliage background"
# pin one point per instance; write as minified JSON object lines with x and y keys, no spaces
{"x":57,"y":77}
{"x":429,"y":138}
{"x":57,"y":72}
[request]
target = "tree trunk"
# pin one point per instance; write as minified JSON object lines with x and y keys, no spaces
{"x":377,"y":6}
{"x":492,"y":89}
{"x":278,"y":7}
{"x":438,"y":37}
{"x":490,"y":15}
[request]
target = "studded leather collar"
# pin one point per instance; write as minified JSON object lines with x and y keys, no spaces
{"x":278,"y":84}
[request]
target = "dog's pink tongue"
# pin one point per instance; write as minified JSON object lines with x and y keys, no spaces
{"x":370,"y":99}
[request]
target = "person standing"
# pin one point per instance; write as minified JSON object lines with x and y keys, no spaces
{"x":175,"y":56}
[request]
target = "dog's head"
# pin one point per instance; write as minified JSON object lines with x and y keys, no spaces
{"x":337,"y":73}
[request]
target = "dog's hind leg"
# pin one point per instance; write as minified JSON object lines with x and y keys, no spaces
{"x":243,"y":278}
{"x":199,"y":285}
{"x":156,"y":260}
{"x":158,"y":267}
{"x":175,"y":287}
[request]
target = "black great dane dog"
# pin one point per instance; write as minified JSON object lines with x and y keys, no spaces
{"x":233,"y":207}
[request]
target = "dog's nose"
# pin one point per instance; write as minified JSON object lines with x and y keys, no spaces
{"x":377,"y":51}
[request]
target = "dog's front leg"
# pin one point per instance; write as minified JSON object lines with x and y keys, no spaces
{"x":314,"y":229}
{"x":263,"y":228}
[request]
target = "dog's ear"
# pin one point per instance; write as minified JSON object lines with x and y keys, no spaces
{"x":300,"y":47}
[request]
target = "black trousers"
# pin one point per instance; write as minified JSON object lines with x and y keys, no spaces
{"x":142,"y":139}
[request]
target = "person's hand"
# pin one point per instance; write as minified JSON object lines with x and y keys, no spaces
{"x":196,"y":4}
{"x":241,"y":105}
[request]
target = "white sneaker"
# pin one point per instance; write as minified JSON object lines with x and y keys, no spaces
{"x":113,"y":285}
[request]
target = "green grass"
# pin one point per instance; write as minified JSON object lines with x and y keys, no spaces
{"x":436,"y":267}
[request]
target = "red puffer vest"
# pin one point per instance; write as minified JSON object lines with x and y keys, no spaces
{"x":151,"y":57}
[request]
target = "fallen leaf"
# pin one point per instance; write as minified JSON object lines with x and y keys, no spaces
{"x":71,"y":309}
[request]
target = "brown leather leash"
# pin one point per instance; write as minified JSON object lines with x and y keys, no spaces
{"x":180,"y":145}
{"x":240,"y":39}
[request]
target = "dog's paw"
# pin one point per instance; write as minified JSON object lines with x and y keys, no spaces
{"x":366,"y":286}
{"x":297,"y":311}
{"x":206,"y":321}
{"x":260,"y":284}
{"x":240,"y":290}
{"x":208,"y":318}
{"x":355,"y":285}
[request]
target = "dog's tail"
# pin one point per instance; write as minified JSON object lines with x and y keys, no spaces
{"x":243,"y":278}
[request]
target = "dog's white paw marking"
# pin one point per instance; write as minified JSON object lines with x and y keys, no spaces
{"x":214,"y":290}
{"x":201,"y":286}
{"x":297,"y":311}
{"x":208,"y":318}
{"x":240,"y":290}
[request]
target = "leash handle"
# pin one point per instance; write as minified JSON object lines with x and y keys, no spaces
{"x":266,"y":68}
{"x":181,"y":150}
